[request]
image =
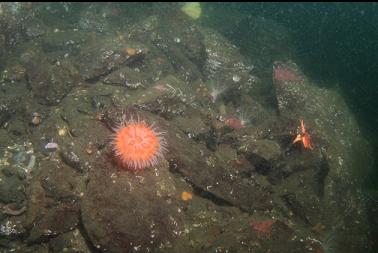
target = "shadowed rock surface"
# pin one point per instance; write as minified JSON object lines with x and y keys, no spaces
{"x":125,"y":211}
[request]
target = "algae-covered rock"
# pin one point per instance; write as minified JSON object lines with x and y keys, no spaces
{"x":224,"y":61}
{"x":52,"y":195}
{"x":72,"y":241}
{"x":60,"y":182}
{"x":7,"y":110}
{"x":215,"y":176}
{"x":126,"y":77}
{"x":205,"y":169}
{"x":175,"y":41}
{"x":66,"y":42}
{"x":50,"y":80}
{"x":122,"y":211}
{"x":11,"y":188}
{"x":55,"y":221}
{"x":261,"y":153}
{"x":105,"y":54}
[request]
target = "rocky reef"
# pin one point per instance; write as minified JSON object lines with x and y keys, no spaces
{"x":253,"y":189}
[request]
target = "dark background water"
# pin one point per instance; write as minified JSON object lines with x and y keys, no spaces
{"x":337,"y":44}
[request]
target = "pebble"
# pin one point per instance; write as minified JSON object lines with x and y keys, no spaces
{"x":71,"y":159}
{"x":51,"y":146}
{"x":37,"y":119}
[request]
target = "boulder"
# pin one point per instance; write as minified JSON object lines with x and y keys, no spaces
{"x":123,"y":211}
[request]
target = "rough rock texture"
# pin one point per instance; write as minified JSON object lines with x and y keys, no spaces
{"x":325,"y":114}
{"x":50,"y":81}
{"x":123,"y":212}
{"x":102,"y":55}
{"x":252,"y":189}
{"x":57,"y":220}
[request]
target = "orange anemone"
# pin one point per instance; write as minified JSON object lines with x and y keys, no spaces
{"x":137,"y":145}
{"x":186,"y":196}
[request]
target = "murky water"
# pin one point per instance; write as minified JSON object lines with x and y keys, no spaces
{"x":187,"y":127}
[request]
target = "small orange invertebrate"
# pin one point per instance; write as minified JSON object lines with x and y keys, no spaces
{"x":304,"y":137}
{"x":131,"y":51}
{"x":137,"y":145}
{"x":186,"y":196}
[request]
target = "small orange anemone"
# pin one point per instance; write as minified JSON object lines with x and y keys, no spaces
{"x":137,"y":145}
{"x":186,"y":196}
